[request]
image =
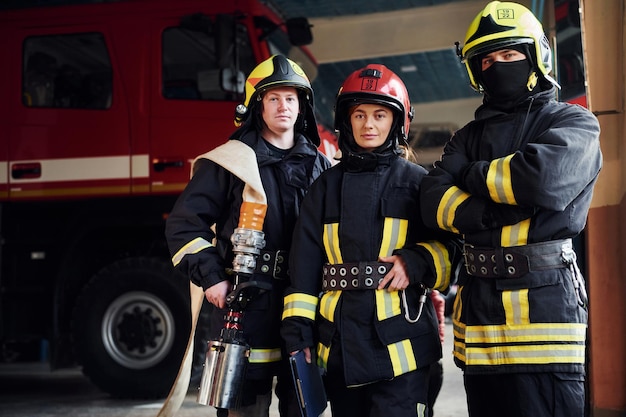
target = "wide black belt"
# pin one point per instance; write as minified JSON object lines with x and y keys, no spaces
{"x":273,"y":263}
{"x":515,"y":261}
{"x":354,"y":275}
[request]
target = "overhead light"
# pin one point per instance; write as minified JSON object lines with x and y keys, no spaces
{"x":408,"y":68}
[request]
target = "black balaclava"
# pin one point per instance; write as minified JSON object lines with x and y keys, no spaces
{"x":508,"y":82}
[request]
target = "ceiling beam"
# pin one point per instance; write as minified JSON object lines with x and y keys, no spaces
{"x":400,"y":32}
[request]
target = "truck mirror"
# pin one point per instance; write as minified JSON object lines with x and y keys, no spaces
{"x":299,"y":31}
{"x":225,"y":42}
{"x":233,"y":81}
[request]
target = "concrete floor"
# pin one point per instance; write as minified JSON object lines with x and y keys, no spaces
{"x":31,"y":390}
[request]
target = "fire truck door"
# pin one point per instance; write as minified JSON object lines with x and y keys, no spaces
{"x":192,"y":112}
{"x":71,"y":135}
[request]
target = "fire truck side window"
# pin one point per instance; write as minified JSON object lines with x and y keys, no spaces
{"x":191,"y":70}
{"x":66,"y":71}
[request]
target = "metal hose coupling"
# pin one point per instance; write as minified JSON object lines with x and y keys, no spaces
{"x":247,"y":245}
{"x":248,"y":239}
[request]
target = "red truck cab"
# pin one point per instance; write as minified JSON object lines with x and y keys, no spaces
{"x":103,"y":108}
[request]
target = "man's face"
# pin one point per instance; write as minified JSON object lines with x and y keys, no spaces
{"x":280,"y":109}
{"x":502,"y":55}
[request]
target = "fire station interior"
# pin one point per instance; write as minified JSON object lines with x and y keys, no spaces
{"x":416,"y":38}
{"x":416,"y":44}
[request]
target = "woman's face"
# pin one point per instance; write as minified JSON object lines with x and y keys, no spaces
{"x":371,"y":124}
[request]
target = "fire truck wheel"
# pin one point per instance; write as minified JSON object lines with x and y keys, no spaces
{"x":131,"y":327}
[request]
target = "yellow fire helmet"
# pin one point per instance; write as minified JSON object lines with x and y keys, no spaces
{"x":276,"y":71}
{"x":500,"y":25}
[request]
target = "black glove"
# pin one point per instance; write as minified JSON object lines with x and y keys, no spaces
{"x":497,"y":215}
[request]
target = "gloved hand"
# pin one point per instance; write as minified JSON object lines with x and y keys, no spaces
{"x":478,"y":169}
{"x":497,"y":215}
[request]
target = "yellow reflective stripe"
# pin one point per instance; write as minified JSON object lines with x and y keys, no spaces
{"x":264,"y":355}
{"x":516,"y":234}
{"x":190,"y":248}
{"x":328,"y":304}
{"x":459,"y":350}
{"x":421,"y":410}
{"x":458,"y":304}
{"x":499,"y":180}
{"x":300,"y":305}
{"x":323,"y":352}
{"x":525,"y":333}
{"x":448,"y":205}
{"x":387,"y":304}
{"x":525,"y":354}
{"x":516,"y":306}
{"x":458,"y":330}
{"x":441,"y":260}
{"x":331,"y":243}
{"x":394,"y":235}
{"x":402,"y":358}
{"x":543,"y":343}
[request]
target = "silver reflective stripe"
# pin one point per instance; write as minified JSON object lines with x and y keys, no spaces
{"x":190,"y":248}
{"x":264,"y":355}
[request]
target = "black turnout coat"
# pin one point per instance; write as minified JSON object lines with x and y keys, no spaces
{"x":356,"y":217}
{"x":213,"y":197}
{"x":509,"y":179}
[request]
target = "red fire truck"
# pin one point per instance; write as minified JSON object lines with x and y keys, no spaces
{"x":103,"y":107}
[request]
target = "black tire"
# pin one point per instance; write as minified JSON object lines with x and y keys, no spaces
{"x":131,"y":327}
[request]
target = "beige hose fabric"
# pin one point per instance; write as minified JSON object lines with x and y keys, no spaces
{"x":239,"y":159}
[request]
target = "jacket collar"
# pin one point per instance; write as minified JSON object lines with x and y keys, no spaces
{"x":490,"y":109}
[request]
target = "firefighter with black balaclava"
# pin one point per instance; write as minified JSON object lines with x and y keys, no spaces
{"x":517,"y":183}
{"x":360,"y":243}
{"x":277,"y":122}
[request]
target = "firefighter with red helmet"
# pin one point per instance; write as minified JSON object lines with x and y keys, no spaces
{"x":517,"y":183}
{"x":278,"y":127}
{"x":362,"y":260}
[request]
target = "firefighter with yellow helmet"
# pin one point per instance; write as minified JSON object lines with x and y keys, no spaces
{"x":517,"y":183}
{"x":251,"y":238}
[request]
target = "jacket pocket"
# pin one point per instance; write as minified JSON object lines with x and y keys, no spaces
{"x":400,"y":202}
{"x":530,"y":280}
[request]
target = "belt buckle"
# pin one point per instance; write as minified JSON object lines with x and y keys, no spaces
{"x":278,"y":260}
{"x":465,"y":247}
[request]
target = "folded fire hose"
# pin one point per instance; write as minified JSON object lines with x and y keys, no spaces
{"x":239,"y":159}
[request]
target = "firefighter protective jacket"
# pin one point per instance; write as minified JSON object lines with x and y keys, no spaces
{"x":511,"y":179}
{"x":361,"y":216}
{"x":213,"y":197}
